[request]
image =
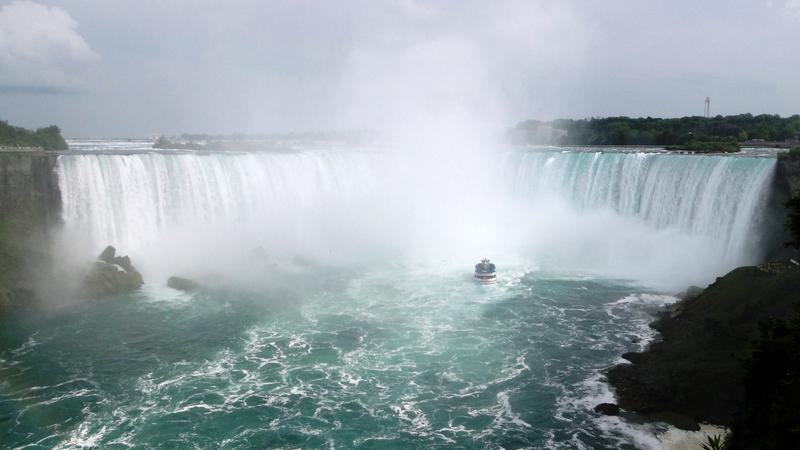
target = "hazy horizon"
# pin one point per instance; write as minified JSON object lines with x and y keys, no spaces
{"x":114,"y":69}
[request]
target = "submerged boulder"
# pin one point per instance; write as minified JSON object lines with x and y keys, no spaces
{"x":111,"y":275}
{"x":607,"y":409}
{"x":182,"y":284}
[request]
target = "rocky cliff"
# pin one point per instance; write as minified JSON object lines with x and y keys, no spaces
{"x":30,"y":208}
{"x":785,"y":184}
{"x":787,"y":181}
{"x":695,"y":369}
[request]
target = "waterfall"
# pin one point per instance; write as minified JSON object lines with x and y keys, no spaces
{"x":129,"y":199}
{"x":715,"y":196}
{"x":702,"y":213}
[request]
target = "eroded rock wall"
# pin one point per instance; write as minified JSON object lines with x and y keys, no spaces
{"x":30,"y":208}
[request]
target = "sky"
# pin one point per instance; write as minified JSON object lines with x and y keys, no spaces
{"x":117,"y":68}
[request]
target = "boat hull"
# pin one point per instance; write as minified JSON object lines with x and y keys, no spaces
{"x":486,"y":279}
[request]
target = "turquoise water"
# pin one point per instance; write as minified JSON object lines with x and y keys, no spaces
{"x":353,"y":332}
{"x":392,"y":356}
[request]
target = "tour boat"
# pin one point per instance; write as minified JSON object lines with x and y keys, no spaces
{"x":485,"y":272}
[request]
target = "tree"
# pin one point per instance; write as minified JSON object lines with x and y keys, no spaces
{"x":48,"y":138}
{"x":771,"y":418}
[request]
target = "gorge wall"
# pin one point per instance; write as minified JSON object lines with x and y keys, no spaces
{"x":788,"y":173}
{"x":30,"y":208}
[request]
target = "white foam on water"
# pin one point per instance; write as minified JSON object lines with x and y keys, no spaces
{"x":676,"y":439}
{"x":642,"y":305}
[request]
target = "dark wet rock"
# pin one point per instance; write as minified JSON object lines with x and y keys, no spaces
{"x":676,"y":420}
{"x":125,"y":263}
{"x":182,"y":284}
{"x":607,"y":409}
{"x":780,"y":266}
{"x":108,"y":279}
{"x":695,"y":369}
{"x":787,"y":171}
{"x":634,"y":357}
{"x":108,"y":254}
{"x":690,"y":293}
{"x":111,"y":275}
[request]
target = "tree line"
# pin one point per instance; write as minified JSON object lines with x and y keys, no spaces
{"x":48,"y":138}
{"x":658,"y":131}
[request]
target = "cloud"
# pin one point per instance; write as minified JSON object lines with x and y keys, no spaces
{"x":40,"y":48}
{"x":793,"y":8}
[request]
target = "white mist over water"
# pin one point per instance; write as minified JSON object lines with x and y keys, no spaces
{"x":438,"y":92}
{"x":669,"y":220}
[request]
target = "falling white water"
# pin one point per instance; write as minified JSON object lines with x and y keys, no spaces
{"x":129,"y":200}
{"x":719,"y":197}
{"x":628,"y":214}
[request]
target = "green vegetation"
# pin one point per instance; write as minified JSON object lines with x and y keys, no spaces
{"x":654,"y":131}
{"x":792,"y":154}
{"x":48,"y":138}
{"x":771,"y":418}
{"x":717,"y":442}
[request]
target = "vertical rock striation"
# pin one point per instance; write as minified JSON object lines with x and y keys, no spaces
{"x":30,"y":207}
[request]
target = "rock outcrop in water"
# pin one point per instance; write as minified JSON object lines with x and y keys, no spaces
{"x":607,"y":409}
{"x":182,"y":284}
{"x":111,"y":275}
{"x":696,"y":368}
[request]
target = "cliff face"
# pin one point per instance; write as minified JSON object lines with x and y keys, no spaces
{"x":785,"y":184}
{"x":30,"y":207}
{"x":788,"y":173}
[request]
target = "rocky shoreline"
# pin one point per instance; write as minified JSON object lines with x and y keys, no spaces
{"x":694,"y":373}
